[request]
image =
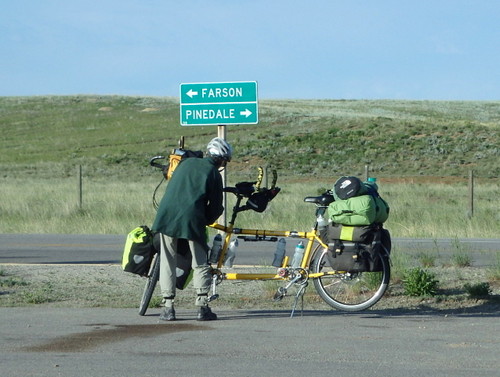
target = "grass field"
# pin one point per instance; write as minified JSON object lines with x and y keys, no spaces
{"x":112,"y":135}
{"x":114,"y":207}
{"x":420,"y":151}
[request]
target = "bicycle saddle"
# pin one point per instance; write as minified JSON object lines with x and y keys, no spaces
{"x":322,"y":200}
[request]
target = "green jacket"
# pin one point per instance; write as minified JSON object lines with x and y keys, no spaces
{"x":193,"y":199}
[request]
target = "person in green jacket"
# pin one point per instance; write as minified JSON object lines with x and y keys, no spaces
{"x":193,"y":199}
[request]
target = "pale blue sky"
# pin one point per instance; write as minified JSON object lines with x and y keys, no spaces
{"x":379,"y":49}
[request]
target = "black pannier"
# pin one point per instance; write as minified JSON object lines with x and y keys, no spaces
{"x":140,"y":247}
{"x":347,"y":256}
{"x":381,"y":245}
{"x":361,"y":253}
{"x":363,"y":234}
{"x":183,"y":270}
{"x":138,"y":251}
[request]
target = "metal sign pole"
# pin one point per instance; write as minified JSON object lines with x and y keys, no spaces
{"x":221,"y":132}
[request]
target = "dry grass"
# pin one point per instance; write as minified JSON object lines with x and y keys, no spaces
{"x":115,"y":207}
{"x":108,"y":286}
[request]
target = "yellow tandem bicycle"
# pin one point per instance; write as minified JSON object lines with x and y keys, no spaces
{"x":343,"y":290}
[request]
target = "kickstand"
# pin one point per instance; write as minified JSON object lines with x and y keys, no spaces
{"x":300,"y":293}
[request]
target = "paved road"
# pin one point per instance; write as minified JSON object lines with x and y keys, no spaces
{"x":104,"y":249}
{"x":118,"y":342}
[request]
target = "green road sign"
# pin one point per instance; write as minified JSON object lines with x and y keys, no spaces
{"x":219,"y":103}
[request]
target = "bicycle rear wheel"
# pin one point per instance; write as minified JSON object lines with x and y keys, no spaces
{"x":153,"y":277}
{"x":349,"y":291}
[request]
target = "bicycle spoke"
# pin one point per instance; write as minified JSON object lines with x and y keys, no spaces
{"x":348,"y":291}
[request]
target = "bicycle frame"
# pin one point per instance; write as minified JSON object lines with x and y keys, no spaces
{"x":312,"y":236}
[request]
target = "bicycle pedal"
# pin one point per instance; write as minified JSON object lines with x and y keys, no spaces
{"x":277,"y":297}
{"x":213,"y":297}
{"x":280,"y":293}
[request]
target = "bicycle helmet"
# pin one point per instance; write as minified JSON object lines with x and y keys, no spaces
{"x":218,"y":147}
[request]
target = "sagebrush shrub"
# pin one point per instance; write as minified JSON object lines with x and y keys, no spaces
{"x":479,"y":290}
{"x":419,"y":282}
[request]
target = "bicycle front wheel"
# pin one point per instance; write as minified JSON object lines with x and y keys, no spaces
{"x":349,"y":291}
{"x":153,"y":277}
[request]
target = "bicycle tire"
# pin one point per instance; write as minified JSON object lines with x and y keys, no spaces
{"x":149,"y":289}
{"x":349,"y":291}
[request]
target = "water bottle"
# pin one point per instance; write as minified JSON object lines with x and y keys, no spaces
{"x":322,"y":222}
{"x":231,"y":253}
{"x":372,"y":182}
{"x":298,"y":255}
{"x":279,"y":254}
{"x":215,"y":250}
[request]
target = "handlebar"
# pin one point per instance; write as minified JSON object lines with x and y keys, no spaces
{"x":246,"y":189}
{"x":259,"y":178}
{"x":153,"y":162}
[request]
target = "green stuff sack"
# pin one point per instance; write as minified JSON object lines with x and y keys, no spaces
{"x":357,"y":203}
{"x":381,"y":210}
{"x":138,"y":251}
{"x":359,"y":210}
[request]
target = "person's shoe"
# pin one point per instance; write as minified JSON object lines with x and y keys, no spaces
{"x":168,"y":314}
{"x":206,"y":314}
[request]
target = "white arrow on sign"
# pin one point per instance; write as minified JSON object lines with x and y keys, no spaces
{"x":192,"y":93}
{"x":246,"y":113}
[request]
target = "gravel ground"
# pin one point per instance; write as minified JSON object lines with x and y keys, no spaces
{"x":109,"y":286}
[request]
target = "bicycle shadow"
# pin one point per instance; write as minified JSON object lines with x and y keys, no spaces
{"x":485,"y":308}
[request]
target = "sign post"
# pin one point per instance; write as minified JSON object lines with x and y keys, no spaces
{"x":221,"y":132}
{"x":221,"y":104}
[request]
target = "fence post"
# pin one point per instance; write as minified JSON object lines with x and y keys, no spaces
{"x":470,"y":212}
{"x":367,"y":172}
{"x":266,"y":171}
{"x":79,"y":186}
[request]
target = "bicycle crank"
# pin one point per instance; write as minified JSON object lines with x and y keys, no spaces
{"x":215,"y":281}
{"x":299,"y":276}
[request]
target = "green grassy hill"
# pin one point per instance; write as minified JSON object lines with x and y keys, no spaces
{"x":46,"y":136}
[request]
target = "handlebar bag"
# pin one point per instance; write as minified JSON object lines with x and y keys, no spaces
{"x":177,"y":156}
{"x":258,"y":201}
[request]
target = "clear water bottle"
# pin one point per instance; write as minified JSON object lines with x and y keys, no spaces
{"x":298,"y":255}
{"x":322,"y":222}
{"x":231,"y":253}
{"x":279,"y":254}
{"x":215,"y":250}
